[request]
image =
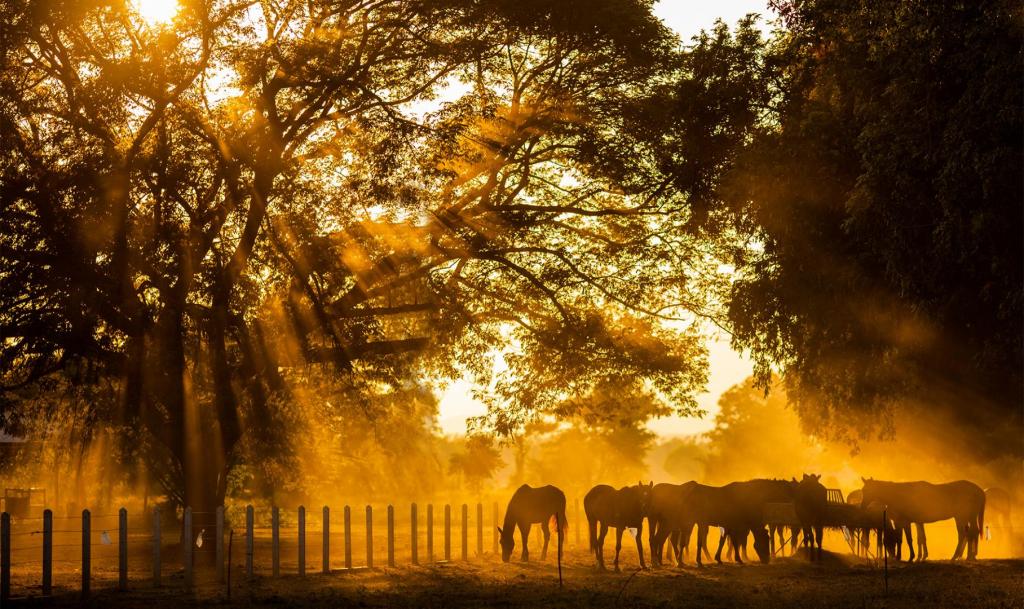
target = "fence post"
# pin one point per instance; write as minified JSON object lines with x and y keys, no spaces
{"x":327,"y":540}
{"x":369,"y":537}
{"x":5,"y":558}
{"x":391,"y":536}
{"x":414,"y":534}
{"x":465,"y":532}
{"x":156,"y":547}
{"x":447,"y":532}
{"x":275,"y":541}
{"x":302,"y":540}
{"x":86,"y":553}
{"x":249,"y":545}
{"x":47,"y":552}
{"x":122,"y":549}
{"x":494,"y":532}
{"x":479,"y":529}
{"x":576,"y":519}
{"x":430,"y":532}
{"x":219,"y":544}
{"x":186,"y":554}
{"x":348,"y":537}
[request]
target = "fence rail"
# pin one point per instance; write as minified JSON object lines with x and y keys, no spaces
{"x":140,"y":539}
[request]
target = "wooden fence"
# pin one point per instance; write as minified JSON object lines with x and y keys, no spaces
{"x":218,"y":546}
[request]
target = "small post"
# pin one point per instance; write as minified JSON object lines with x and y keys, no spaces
{"x":86,"y":553}
{"x":885,"y":550}
{"x":302,"y":540}
{"x":275,"y":541}
{"x":369,"y":537}
{"x":430,"y":532}
{"x":47,"y":552}
{"x":5,"y":559}
{"x":479,"y":529}
{"x":465,"y":532}
{"x":122,"y":549}
{"x":219,"y":543}
{"x":186,"y":553}
{"x":414,"y":534}
{"x":231,"y":542}
{"x":447,"y":532}
{"x":494,"y":532}
{"x":327,"y":540}
{"x":576,"y":519}
{"x":249,"y":542}
{"x":348,"y":537}
{"x":391,"y":536}
{"x":156,"y":547}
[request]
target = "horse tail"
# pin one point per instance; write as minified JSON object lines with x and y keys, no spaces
{"x":981,"y":519}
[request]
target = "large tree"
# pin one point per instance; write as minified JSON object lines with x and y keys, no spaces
{"x":211,"y":216}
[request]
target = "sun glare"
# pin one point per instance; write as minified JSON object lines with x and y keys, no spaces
{"x":156,"y":11}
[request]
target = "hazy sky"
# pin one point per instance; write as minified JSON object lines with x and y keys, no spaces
{"x":687,"y":17}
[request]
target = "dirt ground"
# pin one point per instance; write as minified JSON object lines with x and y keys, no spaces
{"x":838,"y":581}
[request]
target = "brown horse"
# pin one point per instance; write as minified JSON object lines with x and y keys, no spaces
{"x":810,"y":498}
{"x":664,"y":524}
{"x":528,"y":506}
{"x":922,"y":502}
{"x":738,"y":508}
{"x":622,"y":509}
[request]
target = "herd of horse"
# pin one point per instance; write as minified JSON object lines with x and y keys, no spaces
{"x":761,"y":509}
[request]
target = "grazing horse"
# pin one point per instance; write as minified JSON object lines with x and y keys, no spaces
{"x":738,"y":508}
{"x":664,"y":524}
{"x":528,"y":506}
{"x":922,"y":502}
{"x":623,"y":508}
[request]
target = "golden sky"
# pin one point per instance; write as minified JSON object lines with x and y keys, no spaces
{"x":687,"y":17}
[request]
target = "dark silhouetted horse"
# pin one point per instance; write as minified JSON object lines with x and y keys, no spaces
{"x":528,"y":506}
{"x":922,"y":502}
{"x":810,"y":498}
{"x":664,"y":522}
{"x":738,"y":508}
{"x":622,"y":509}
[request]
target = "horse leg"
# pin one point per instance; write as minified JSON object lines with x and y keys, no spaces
{"x":721,"y":543}
{"x":701,"y":542}
{"x":524,"y":532}
{"x":618,"y":545}
{"x":961,"y":530}
{"x":652,"y":542}
{"x":910,"y":541}
{"x":600,"y":545}
{"x":922,"y":543}
{"x":819,"y":534}
{"x":643,"y":565}
{"x":547,"y":538}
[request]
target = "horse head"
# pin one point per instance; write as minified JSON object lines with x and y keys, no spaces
{"x":761,"y":544}
{"x":508,"y":542}
{"x":644,"y":492}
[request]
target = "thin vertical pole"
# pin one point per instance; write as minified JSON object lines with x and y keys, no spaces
{"x":86,"y":553}
{"x":348,"y":537}
{"x":414,"y":534}
{"x":5,"y":559}
{"x":122,"y":549}
{"x":479,"y":529}
{"x":275,"y":541}
{"x":249,"y":542}
{"x":369,"y":537}
{"x":327,"y":540}
{"x":186,"y":554}
{"x":885,"y":552}
{"x":391,"y":536}
{"x":576,"y":519}
{"x":494,"y":520}
{"x":47,"y":552}
{"x":302,"y":540}
{"x":447,"y":532}
{"x":430,"y":532}
{"x":219,"y":543}
{"x":465,"y":532}
{"x":156,"y":547}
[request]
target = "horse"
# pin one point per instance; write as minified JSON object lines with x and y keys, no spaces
{"x":810,"y":499}
{"x":738,"y":508}
{"x":663,"y":523}
{"x":859,"y":520}
{"x":527,"y":506}
{"x":923,"y":502}
{"x":623,"y":508}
